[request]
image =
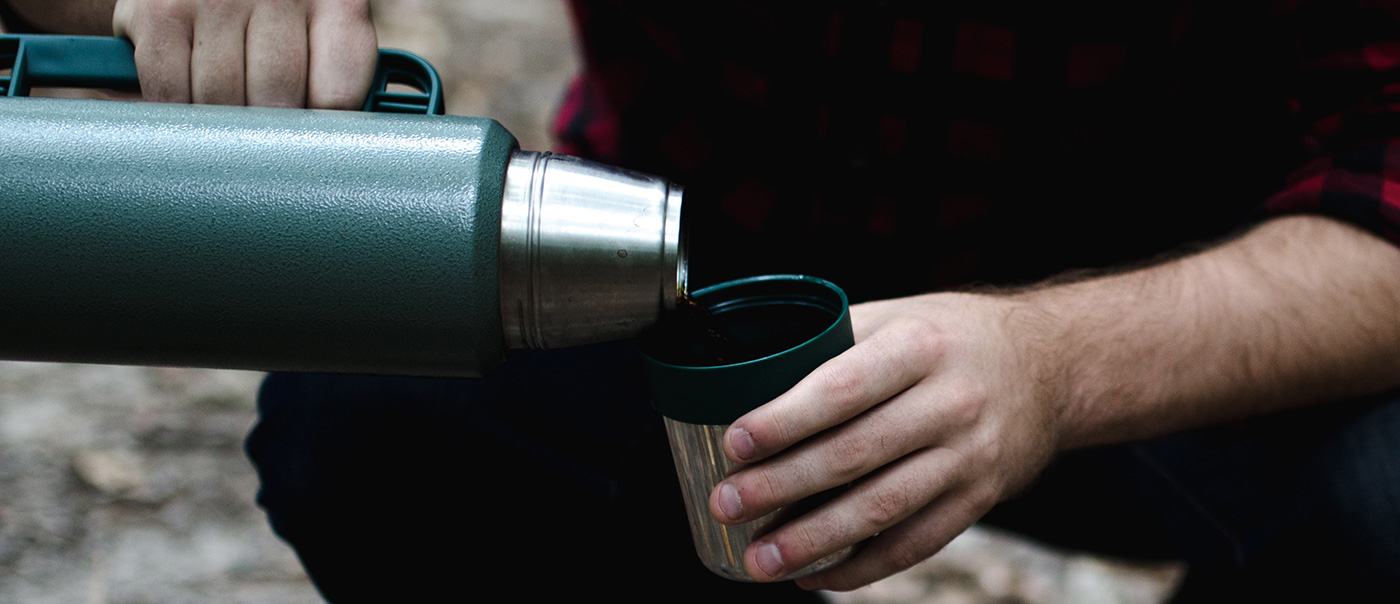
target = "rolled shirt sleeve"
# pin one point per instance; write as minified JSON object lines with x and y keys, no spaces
{"x":1347,"y":102}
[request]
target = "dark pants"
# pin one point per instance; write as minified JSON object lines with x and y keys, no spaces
{"x":553,"y":477}
{"x":1298,"y":506}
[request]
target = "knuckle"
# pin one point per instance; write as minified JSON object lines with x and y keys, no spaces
{"x":806,"y":542}
{"x":885,"y":506}
{"x":919,"y":336}
{"x":846,"y":455}
{"x":993,"y":448}
{"x":904,"y":554}
{"x":964,"y":403}
{"x":983,"y":498}
{"x":760,"y":490}
{"x":842,"y":385}
{"x":987,"y":447}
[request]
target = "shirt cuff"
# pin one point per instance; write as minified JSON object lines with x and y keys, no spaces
{"x":1360,"y":185}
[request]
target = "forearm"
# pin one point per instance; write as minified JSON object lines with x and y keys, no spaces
{"x":1300,"y":310}
{"x":81,"y":17}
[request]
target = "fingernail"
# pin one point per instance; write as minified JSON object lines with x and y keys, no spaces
{"x":768,"y":559}
{"x":729,"y":501}
{"x":742,"y":443}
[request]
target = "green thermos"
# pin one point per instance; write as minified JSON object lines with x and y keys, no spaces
{"x":390,"y":241}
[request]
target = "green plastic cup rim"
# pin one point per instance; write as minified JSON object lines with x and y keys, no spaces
{"x":749,"y":281}
{"x":745,"y":282}
{"x":719,"y":394}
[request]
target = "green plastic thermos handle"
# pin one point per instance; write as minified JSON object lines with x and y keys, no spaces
{"x":300,"y":240}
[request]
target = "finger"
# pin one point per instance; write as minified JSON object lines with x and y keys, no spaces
{"x":875,"y":369}
{"x":868,"y":318}
{"x":922,"y":535}
{"x":343,"y":52}
{"x":162,"y":38}
{"x":122,"y":17}
{"x":910,"y":421}
{"x":216,"y":61}
{"x":277,"y":55}
{"x":875,"y":504}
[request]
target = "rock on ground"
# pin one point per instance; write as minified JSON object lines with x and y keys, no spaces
{"x":128,"y":484}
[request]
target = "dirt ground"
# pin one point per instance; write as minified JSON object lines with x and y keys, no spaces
{"x":128,"y":484}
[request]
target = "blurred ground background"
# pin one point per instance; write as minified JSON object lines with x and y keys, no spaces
{"x":128,"y":485}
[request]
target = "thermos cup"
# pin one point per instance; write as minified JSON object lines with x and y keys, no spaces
{"x":790,"y":325}
{"x":388,"y":241}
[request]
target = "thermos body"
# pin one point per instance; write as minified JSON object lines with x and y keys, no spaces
{"x":333,"y":241}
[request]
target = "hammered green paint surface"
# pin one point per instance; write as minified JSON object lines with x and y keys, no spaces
{"x":271,"y":239}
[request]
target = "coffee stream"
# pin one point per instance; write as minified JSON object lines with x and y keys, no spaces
{"x":695,"y":321}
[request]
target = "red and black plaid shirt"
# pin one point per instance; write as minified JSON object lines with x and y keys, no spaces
{"x":896,"y":147}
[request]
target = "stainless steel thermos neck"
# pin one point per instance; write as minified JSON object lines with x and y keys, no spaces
{"x":587,"y":251}
{"x":335,"y":241}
